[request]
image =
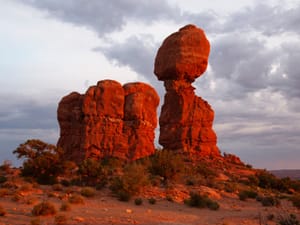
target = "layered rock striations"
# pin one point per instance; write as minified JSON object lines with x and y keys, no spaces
{"x":186,"y":120}
{"x":108,"y":120}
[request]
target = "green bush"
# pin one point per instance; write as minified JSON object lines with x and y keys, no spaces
{"x":201,"y":201}
{"x":43,"y":209}
{"x":123,"y":196}
{"x":243,"y":195}
{"x":152,"y":201}
{"x":138,"y":201}
{"x":42,"y":161}
{"x":130,"y":183}
{"x":166,"y":164}
{"x":3,"y":179}
{"x":205,"y":171}
{"x":270,"y":201}
{"x":88,"y":192}
{"x":2,"y":211}
{"x":92,"y":172}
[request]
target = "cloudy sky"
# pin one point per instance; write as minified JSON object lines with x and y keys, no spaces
{"x":49,"y":48}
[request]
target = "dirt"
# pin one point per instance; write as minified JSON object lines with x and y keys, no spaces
{"x":106,"y":209}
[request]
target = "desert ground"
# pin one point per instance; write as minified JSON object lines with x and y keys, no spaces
{"x":103,"y":208}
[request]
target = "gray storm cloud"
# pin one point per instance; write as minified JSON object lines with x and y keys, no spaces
{"x":252,"y":85}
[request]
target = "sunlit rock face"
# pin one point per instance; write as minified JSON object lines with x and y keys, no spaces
{"x":186,"y":120}
{"x":109,"y":120}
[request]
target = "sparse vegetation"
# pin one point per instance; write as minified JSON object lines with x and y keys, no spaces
{"x":88,"y":192}
{"x":201,"y":201}
{"x":269,"y":201}
{"x":92,"y":172}
{"x":76,"y":199}
{"x":152,"y":201}
{"x":42,"y":160}
{"x":245,"y":194}
{"x":288,"y":220}
{"x":133,"y":179}
{"x":296,"y":201}
{"x":138,"y":201}
{"x":166,"y":164}
{"x":43,"y":209}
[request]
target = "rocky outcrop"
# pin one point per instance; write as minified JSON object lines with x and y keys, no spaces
{"x":186,"y":120}
{"x":108,"y":120}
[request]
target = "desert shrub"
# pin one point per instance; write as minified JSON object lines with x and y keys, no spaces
{"x":123,"y":196}
{"x":169,"y":198}
{"x":270,"y":201}
{"x":2,"y":211}
{"x":65,"y":206}
{"x":243,"y":195}
{"x":6,"y":167}
{"x":88,"y":192}
{"x":296,"y":201}
{"x":288,"y":220}
{"x":133,"y":179}
{"x":230,"y":187}
{"x":42,"y":161}
{"x":76,"y":199}
{"x":166,"y":163}
{"x":3,"y":179}
{"x":205,"y":171}
{"x":57,"y":187}
{"x":253,"y":180}
{"x":43,"y":209}
{"x":201,"y":201}
{"x":266,"y":179}
{"x":60,"y":220}
{"x":92,"y":172}
{"x":138,"y":201}
{"x":152,"y":201}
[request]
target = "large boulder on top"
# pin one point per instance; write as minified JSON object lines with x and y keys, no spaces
{"x":183,"y":55}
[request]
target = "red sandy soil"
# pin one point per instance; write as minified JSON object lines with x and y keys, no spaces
{"x":105,"y":209}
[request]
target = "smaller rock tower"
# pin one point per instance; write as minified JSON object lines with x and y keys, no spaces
{"x":186,"y":120}
{"x":109,"y":120}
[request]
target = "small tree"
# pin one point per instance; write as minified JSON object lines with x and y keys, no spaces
{"x":42,"y":160}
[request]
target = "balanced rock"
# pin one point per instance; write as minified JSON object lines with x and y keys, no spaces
{"x":186,"y":120}
{"x":108,"y":121}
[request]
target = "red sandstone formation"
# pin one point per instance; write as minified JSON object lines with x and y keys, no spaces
{"x":109,"y":120}
{"x":186,"y":120}
{"x":140,"y":119}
